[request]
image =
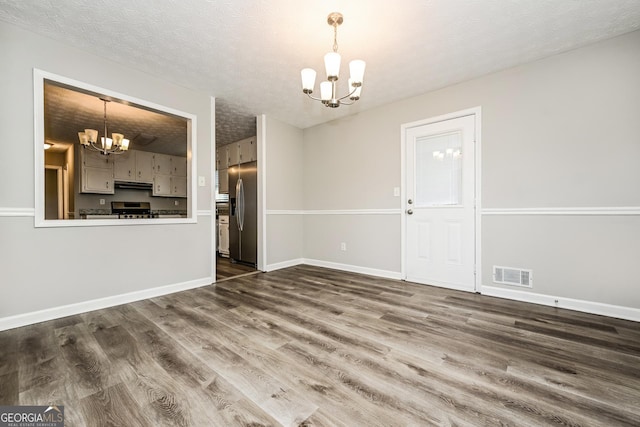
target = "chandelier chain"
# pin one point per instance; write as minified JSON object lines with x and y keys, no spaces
{"x":335,"y":37}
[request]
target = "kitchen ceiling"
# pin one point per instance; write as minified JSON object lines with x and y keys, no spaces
{"x":69,"y":111}
{"x":249,"y":53}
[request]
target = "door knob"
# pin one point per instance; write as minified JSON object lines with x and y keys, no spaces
{"x":409,"y":211}
{"x":410,"y":201}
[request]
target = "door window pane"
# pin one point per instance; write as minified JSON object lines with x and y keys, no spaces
{"x":439,"y":170}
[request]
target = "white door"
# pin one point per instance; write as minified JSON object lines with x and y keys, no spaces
{"x":439,"y":205}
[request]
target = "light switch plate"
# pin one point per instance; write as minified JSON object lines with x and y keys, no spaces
{"x":201,"y":181}
{"x":396,"y":191}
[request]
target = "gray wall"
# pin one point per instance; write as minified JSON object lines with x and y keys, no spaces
{"x":51,"y":267}
{"x":285,"y":192}
{"x":557,"y":133}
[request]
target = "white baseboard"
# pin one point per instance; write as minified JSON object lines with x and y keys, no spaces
{"x":284,"y":264}
{"x":620,"y":312}
{"x":354,"y":269}
{"x":97,"y":304}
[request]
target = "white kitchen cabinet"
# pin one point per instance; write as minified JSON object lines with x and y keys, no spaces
{"x":134,"y":166}
{"x":223,"y":181}
{"x":222,"y":158}
{"x":95,"y":159}
{"x":233,"y":154}
{"x":96,"y":172}
{"x":124,"y":166}
{"x":97,"y":180}
{"x":162,"y":185}
{"x":223,"y":235}
{"x":247,"y":150}
{"x":179,"y":186}
{"x":178,"y":166}
{"x":144,"y":166}
{"x":162,"y":164}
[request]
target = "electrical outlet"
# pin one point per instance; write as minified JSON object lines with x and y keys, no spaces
{"x":343,"y":246}
{"x":102,"y":201}
{"x":176,"y":203}
{"x":201,"y":181}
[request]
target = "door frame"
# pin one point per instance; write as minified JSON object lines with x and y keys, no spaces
{"x":477,"y":113}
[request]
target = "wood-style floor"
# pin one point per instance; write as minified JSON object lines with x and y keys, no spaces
{"x":308,"y":346}
{"x":226,"y":269}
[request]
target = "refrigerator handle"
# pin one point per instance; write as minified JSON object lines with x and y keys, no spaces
{"x":241,"y":204}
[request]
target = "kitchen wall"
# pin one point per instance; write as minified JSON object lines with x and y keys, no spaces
{"x":559,"y":177}
{"x":77,"y":268}
{"x":92,"y":201}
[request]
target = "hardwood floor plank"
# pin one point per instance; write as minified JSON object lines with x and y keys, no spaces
{"x":9,"y":389}
{"x":88,"y":368}
{"x":113,"y":406}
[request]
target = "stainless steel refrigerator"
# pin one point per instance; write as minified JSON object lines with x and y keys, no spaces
{"x":243,"y":213}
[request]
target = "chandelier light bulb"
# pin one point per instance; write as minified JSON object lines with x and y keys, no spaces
{"x":326,"y":89}
{"x":332,"y":65}
{"x":356,"y":71}
{"x":308,"y":79}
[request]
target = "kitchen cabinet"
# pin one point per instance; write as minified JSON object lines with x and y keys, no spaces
{"x":178,"y":166}
{"x":124,"y":166}
{"x":95,"y":159}
{"x":97,"y":180}
{"x":223,"y":181}
{"x":247,"y":150}
{"x":179,"y":186}
{"x":239,"y":152}
{"x":96,"y":172}
{"x":134,"y":166}
{"x":222,"y":158}
{"x":144,"y":166}
{"x":161,"y":164}
{"x":233,"y":154}
{"x":162,"y":185}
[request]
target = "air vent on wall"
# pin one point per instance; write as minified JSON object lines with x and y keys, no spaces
{"x":513,"y":276}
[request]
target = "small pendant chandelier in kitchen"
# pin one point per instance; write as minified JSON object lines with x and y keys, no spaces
{"x":117,"y":144}
{"x":328,"y":90}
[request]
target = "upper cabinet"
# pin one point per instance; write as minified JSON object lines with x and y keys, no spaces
{"x":168,"y":174}
{"x":144,"y":166}
{"x":233,"y":154}
{"x":162,"y":164}
{"x":134,"y":166}
{"x":178,"y":166}
{"x":247,"y":150}
{"x":243,"y":151}
{"x":96,"y":172}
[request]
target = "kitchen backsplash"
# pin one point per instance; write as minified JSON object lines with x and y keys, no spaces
{"x":90,"y":203}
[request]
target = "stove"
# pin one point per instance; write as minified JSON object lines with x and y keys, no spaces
{"x":131,"y":210}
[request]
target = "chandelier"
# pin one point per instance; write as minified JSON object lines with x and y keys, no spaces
{"x":117,"y":144}
{"x":328,"y":90}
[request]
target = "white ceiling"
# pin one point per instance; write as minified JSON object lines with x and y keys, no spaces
{"x":248,"y":53}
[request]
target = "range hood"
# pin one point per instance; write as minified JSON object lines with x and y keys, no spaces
{"x":133,"y":185}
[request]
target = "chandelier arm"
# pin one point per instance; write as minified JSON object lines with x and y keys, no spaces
{"x":313,"y":97}
{"x":348,"y":95}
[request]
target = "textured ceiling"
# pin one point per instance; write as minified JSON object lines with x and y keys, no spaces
{"x":68,"y":112}
{"x":248,"y":53}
